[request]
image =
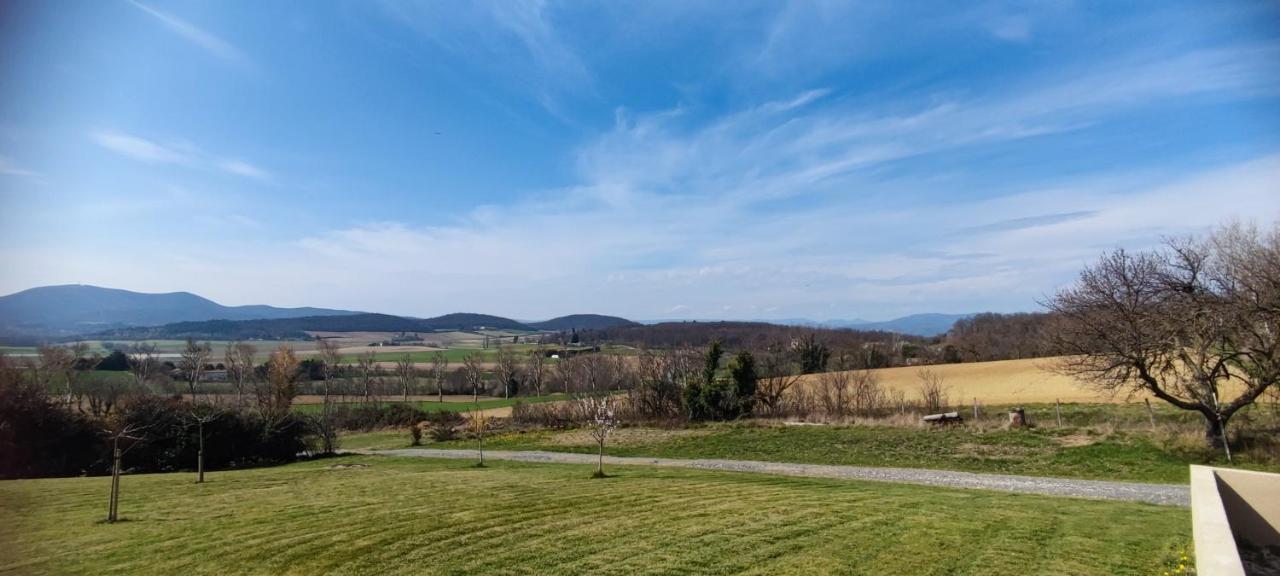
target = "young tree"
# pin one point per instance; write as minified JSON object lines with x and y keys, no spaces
{"x":118,"y":431}
{"x":191,"y":364}
{"x":240,"y":359}
{"x":601,"y":421}
{"x":474,"y":373}
{"x":1181,"y":323}
{"x":407,"y":375}
{"x":198,"y":415}
{"x":478,"y":424}
{"x":439,"y":365}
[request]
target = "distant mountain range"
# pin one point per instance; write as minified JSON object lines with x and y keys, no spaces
{"x":55,"y":312}
{"x":79,"y":309}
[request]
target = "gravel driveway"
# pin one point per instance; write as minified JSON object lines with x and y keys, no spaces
{"x":1162,"y":494}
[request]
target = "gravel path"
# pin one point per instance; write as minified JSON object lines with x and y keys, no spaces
{"x":1162,"y":494}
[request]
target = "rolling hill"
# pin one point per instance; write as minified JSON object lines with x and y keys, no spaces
{"x":80,"y":309}
{"x":582,"y":322}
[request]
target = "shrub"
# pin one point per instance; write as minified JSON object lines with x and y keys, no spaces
{"x":40,"y":438}
{"x":443,"y":425}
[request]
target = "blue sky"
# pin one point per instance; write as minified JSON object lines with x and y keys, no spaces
{"x":648,"y":159}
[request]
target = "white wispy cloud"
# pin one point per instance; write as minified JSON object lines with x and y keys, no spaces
{"x":176,"y":153}
{"x":515,"y":39}
{"x":202,"y":38}
{"x":9,"y":168}
{"x":723,"y":192}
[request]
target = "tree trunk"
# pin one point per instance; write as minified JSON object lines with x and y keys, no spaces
{"x":200,"y":457}
{"x":1214,"y":431}
{"x":600,"y":462}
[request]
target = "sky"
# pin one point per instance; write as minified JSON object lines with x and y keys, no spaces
{"x":731,"y":160}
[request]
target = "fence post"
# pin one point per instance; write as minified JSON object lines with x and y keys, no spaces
{"x":1151,"y":414}
{"x":1057,"y":409}
{"x":975,"y":408}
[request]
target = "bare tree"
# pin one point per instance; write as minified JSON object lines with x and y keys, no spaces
{"x":49,"y":365}
{"x":240,"y":359}
{"x":780,"y":370}
{"x":191,"y":364}
{"x":600,"y":423}
{"x":367,"y":366}
{"x":331,"y":359}
{"x":407,"y":375}
{"x":535,"y":370}
{"x":566,"y":373}
{"x":933,"y":391}
{"x":132,"y":433}
{"x":439,"y":364}
{"x":478,"y":424}
{"x":1184,"y":323}
{"x":474,"y":373}
{"x":869,"y":397}
{"x":143,"y":363}
{"x":507,"y":370}
{"x":199,"y":415}
{"x":662,"y":377}
{"x":835,"y":391}
{"x":80,"y":361}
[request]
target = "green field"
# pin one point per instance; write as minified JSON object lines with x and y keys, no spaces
{"x":1125,"y":456}
{"x":430,"y":406}
{"x":417,"y":516}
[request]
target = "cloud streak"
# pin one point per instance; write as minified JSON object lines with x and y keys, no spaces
{"x":174,"y":153}
{"x":209,"y":42}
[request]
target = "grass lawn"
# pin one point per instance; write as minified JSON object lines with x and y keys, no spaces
{"x":418,"y":516}
{"x":1124,"y":456}
{"x":432,"y":406}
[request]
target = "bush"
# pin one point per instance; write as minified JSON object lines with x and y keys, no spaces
{"x":40,"y":438}
{"x":369,"y":417}
{"x":443,"y":425}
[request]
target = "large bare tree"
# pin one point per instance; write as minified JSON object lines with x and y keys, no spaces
{"x":1195,"y":323}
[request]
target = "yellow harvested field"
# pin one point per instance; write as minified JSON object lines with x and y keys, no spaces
{"x":1002,"y":382}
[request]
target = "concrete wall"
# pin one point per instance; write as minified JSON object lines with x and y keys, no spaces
{"x":1233,"y":510}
